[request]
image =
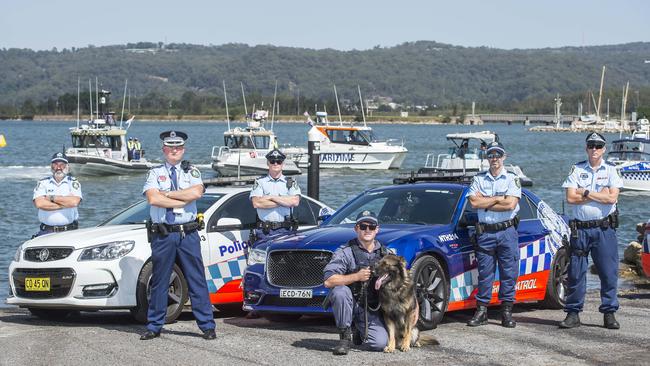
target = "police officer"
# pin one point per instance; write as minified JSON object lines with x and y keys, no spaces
{"x":137,"y":149}
{"x":57,"y":197}
{"x":495,"y":195}
{"x":172,"y":190}
{"x":274,"y":196}
{"x":345,"y":275}
{"x":592,"y":190}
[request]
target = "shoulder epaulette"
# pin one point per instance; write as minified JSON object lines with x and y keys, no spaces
{"x":46,"y":178}
{"x":610,"y":163}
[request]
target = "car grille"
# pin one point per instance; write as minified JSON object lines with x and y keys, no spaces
{"x":61,"y":280}
{"x":47,"y":254}
{"x":297,"y":268}
{"x":270,"y":300}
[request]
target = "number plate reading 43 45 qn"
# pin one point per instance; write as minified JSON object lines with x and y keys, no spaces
{"x":296,"y":294}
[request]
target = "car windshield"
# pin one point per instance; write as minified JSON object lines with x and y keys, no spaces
{"x":407,"y":205}
{"x":139,"y":212}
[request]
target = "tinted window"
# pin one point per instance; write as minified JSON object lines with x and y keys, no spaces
{"x":139,"y":212}
{"x":407,"y":205}
{"x":305,"y":213}
{"x":238,"y":207}
{"x":527,"y":210}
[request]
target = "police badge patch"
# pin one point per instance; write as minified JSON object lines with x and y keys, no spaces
{"x":517,"y":182}
{"x":76,"y":185}
{"x":195,"y":173}
{"x":256,"y":184}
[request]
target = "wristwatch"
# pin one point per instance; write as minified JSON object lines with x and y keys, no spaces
{"x":51,"y":198}
{"x":585,"y":193}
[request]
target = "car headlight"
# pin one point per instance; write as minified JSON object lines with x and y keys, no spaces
{"x":19,"y":251}
{"x":107,"y":251}
{"x":256,"y":256}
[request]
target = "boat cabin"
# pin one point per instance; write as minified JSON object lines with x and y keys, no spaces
{"x":249,"y":139}
{"x":109,"y":143}
{"x":636,"y":149}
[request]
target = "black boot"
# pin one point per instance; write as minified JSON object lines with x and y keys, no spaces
{"x":480,"y":317}
{"x":572,"y":320}
{"x":610,"y":321}
{"x":506,"y":316}
{"x":345,"y":336}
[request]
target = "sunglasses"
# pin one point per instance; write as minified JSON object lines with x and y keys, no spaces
{"x":595,"y":146}
{"x":494,"y":156}
{"x":364,"y":227}
{"x":274,"y":161}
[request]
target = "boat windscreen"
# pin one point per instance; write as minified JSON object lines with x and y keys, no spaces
{"x":97,"y":141}
{"x":354,"y":137}
{"x":247,"y":142}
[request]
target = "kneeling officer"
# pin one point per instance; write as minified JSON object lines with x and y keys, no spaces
{"x":172,"y":190}
{"x":348,"y":275}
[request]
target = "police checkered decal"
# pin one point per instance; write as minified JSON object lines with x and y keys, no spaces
{"x":461,"y":286}
{"x":219,"y":274}
{"x":640,"y":176}
{"x":534,"y":257}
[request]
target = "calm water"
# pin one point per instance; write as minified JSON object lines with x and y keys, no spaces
{"x":545,"y":157}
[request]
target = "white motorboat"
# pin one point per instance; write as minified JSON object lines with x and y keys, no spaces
{"x":467,"y":156}
{"x":244,"y":150}
{"x":99,"y":147}
{"x":344,"y":145}
{"x":631,"y":155}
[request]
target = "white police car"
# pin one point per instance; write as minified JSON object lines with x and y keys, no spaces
{"x":109,"y":267}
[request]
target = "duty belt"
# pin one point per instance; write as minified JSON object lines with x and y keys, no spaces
{"x":272,"y":225}
{"x":497,"y":226}
{"x":592,"y":223}
{"x":188,"y":227}
{"x":72,"y":226}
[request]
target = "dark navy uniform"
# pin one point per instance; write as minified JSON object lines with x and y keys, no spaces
{"x":182,"y":246}
{"x":273,"y":221}
{"x":65,"y":218}
{"x":593,"y":233}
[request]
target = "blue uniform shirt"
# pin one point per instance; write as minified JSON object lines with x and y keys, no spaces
{"x":584,"y":176}
{"x":267,"y":186}
{"x":343,"y":262}
{"x":504,"y":184}
{"x":49,"y":187}
{"x":159,"y":178}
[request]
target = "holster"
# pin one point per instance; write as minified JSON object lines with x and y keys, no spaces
{"x":149,"y":226}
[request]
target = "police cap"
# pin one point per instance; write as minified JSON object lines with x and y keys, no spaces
{"x":495,"y":146}
{"x":595,"y":138}
{"x":367,"y":216}
{"x":275,"y":154}
{"x":173,"y":138}
{"x":59,"y":157}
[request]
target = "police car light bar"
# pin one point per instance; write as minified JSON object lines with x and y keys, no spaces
{"x":245,"y":180}
{"x":434,"y":176}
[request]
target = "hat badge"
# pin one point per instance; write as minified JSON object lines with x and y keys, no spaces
{"x":366,"y":213}
{"x":172,"y":134}
{"x":59,"y":155}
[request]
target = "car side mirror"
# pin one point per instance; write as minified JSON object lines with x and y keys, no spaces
{"x":228,"y":223}
{"x":468,"y":219}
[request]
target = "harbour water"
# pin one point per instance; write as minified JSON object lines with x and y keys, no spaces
{"x":545,"y":158}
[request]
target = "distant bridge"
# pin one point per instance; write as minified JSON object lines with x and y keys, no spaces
{"x":533,"y":118}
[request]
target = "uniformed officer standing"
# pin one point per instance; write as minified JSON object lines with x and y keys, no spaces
{"x":592,"y":190}
{"x":495,"y":194}
{"x":274,"y":196}
{"x":345,"y":276}
{"x":57,"y":198}
{"x":172,"y":190}
{"x":130,"y":146}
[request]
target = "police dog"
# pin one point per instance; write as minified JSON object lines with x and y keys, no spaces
{"x":396,"y":293}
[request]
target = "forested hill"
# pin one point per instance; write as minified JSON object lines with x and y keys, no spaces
{"x":416,"y":72}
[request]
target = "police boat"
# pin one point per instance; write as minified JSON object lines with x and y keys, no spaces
{"x":99,"y":146}
{"x":344,"y":145}
{"x":244,"y":149}
{"x":631,"y":155}
{"x":467,"y":156}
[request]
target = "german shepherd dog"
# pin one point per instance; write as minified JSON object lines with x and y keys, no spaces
{"x":396,"y":293}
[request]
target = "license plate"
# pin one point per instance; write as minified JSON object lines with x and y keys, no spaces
{"x":295,"y":294}
{"x":37,"y":284}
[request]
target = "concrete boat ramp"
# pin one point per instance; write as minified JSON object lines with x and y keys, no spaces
{"x":112,"y":338}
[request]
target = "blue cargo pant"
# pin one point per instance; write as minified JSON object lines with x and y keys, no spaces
{"x":280,"y":231}
{"x":346,"y":311}
{"x":603,"y":246}
{"x":501,"y":247}
{"x":164,"y":252}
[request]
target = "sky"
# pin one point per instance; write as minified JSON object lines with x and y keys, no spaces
{"x":337,"y":24}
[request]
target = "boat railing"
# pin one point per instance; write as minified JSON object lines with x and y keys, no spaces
{"x":221,"y":150}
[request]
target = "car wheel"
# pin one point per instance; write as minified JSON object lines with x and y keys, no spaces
{"x":556,"y":287}
{"x":281,"y":318}
{"x":431,"y":291}
{"x":50,"y":314}
{"x":176,"y":298}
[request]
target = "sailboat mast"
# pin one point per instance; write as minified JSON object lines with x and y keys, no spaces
{"x":363,"y":115}
{"x":90,"y":97}
{"x":275,"y":92}
{"x":96,"y":97}
{"x":78,"y":99}
{"x":600,"y":93}
{"x":126,"y":81}
{"x":243,"y":95}
{"x":338,"y":107}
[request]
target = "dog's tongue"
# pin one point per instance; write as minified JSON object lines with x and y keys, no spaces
{"x":380,"y":281}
